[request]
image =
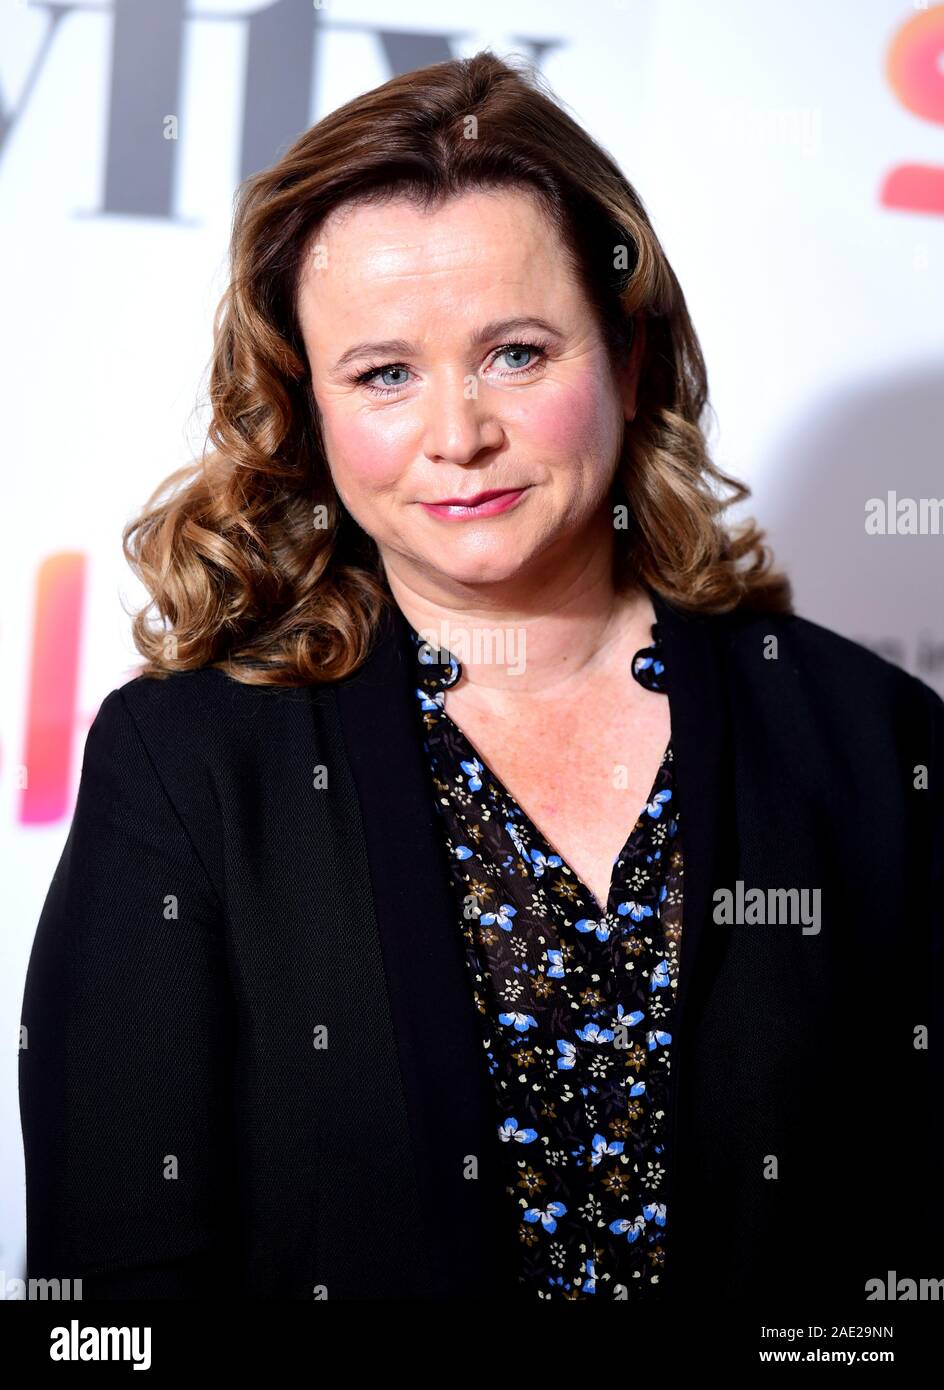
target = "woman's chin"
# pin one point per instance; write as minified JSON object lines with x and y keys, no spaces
{"x":475,"y":568}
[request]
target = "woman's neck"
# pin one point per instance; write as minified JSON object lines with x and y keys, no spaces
{"x":551,"y":650}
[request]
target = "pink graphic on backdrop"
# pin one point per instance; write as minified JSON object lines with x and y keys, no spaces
{"x":51,"y":720}
{"x":913,"y":68}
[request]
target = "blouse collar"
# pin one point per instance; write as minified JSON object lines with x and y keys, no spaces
{"x":438,"y":669}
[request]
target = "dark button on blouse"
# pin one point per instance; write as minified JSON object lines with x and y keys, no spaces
{"x":575,"y":1010}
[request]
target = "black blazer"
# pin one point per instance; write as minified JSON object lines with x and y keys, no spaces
{"x":217,"y":912}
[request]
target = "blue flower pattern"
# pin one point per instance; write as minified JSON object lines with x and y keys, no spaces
{"x":575,"y":1009}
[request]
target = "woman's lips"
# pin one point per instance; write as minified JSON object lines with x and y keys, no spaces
{"x":501,"y":502}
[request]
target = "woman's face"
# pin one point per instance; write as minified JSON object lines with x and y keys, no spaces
{"x":451,"y":354}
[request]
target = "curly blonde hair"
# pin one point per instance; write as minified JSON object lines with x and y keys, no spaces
{"x":241,"y":574}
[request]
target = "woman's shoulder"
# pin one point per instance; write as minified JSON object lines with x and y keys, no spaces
{"x":817,"y":663}
{"x":815,"y":642}
{"x":206,"y":744}
{"x":204,"y":690}
{"x":197,"y":716}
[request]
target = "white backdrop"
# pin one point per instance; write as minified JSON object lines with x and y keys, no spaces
{"x":791,"y":157}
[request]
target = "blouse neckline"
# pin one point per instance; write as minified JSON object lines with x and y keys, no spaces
{"x":444,"y":670}
{"x":441,"y":670}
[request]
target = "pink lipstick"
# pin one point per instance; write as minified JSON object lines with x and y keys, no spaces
{"x":481,"y":504}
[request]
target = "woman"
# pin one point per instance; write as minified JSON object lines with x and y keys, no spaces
{"x":488,"y":887}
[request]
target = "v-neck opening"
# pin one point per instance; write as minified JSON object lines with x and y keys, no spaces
{"x":646,"y":667}
{"x":543,"y":842}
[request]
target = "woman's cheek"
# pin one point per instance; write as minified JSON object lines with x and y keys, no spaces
{"x":365,"y":454}
{"x":567,"y":425}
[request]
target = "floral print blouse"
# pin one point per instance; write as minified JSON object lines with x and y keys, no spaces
{"x":575,"y":1010}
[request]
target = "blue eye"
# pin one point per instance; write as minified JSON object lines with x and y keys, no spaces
{"x":382,"y":370}
{"x":517,"y":347}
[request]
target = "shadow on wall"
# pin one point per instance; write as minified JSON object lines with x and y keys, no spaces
{"x":883,"y":590}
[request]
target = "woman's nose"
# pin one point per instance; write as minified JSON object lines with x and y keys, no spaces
{"x":458,"y":423}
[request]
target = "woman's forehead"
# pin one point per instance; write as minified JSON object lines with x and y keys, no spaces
{"x":471,"y":260}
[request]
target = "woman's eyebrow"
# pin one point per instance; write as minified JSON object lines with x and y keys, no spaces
{"x":497,"y":328}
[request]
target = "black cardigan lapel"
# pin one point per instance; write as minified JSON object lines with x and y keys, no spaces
{"x":447,"y":1089}
{"x":702,"y":744}
{"x":702,"y":740}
